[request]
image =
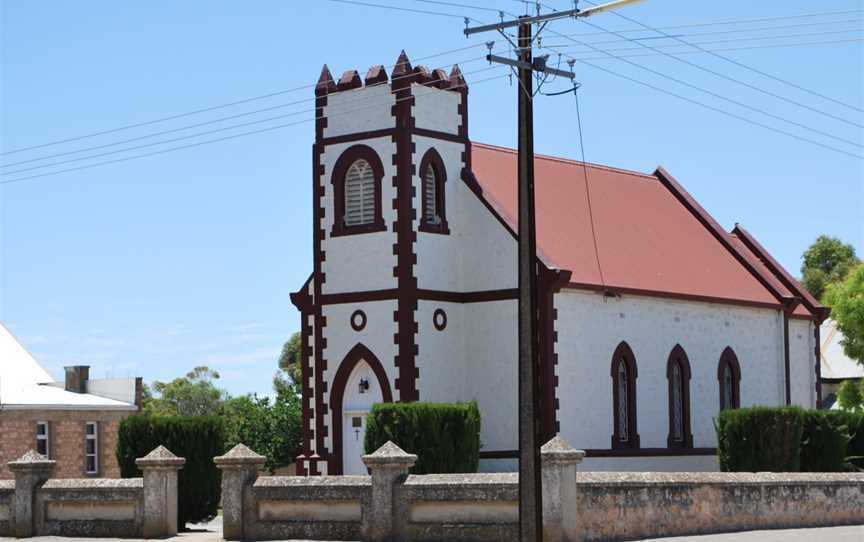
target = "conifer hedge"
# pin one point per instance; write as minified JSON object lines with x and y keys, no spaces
{"x":789,"y":439}
{"x":197,"y":438}
{"x":445,"y":436}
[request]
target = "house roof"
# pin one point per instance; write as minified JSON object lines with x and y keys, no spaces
{"x":25,"y":384}
{"x":835,"y":364}
{"x":652,"y":237}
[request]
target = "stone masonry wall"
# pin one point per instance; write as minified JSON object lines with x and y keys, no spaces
{"x":18,"y":434}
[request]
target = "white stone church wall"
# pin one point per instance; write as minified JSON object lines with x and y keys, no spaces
{"x":441,"y":358}
{"x":802,"y":363}
{"x":590,"y":327}
{"x":436,"y":109}
{"x":341,"y":338}
{"x":359,"y":110}
{"x":359,"y":262}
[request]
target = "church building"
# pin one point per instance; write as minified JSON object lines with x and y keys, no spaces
{"x":653,"y":318}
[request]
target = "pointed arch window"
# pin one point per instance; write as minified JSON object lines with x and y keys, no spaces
{"x":624,"y":373}
{"x":356,"y":183}
{"x":678,"y":376}
{"x":433,"y":175}
{"x":729,"y":379}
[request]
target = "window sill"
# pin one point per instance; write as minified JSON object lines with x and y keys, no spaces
{"x":632,"y":444}
{"x":440,"y":228}
{"x":341,"y":231}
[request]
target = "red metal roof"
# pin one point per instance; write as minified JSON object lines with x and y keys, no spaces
{"x":652,"y":238}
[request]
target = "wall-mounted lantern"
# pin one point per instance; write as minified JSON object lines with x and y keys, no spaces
{"x":364,"y":385}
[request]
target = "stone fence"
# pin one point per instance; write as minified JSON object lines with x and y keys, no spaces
{"x":392,"y":505}
{"x":34,"y":504}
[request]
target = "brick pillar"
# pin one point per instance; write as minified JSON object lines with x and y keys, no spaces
{"x":239,"y":468}
{"x":388,"y":466}
{"x":160,"y":491}
{"x":30,"y":470}
{"x":558,"y":465}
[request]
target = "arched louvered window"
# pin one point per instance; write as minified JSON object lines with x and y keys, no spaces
{"x":729,"y":379}
{"x":678,"y":375}
{"x":359,"y":194}
{"x":430,"y":196}
{"x":624,"y":431}
{"x":356,"y":183}
{"x":433,"y":217}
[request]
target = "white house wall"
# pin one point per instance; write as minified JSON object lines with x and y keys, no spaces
{"x":590,"y":327}
{"x":359,"y":262}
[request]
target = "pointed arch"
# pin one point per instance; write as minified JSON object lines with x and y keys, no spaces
{"x":678,"y":377}
{"x":624,"y":372}
{"x":433,"y":209}
{"x":357,"y":155}
{"x":354,"y":356}
{"x":729,"y":379}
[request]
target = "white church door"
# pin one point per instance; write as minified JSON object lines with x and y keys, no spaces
{"x":361,"y":392}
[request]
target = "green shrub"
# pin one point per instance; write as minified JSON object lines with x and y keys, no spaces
{"x":824,"y":441}
{"x":198,"y":439}
{"x":760,"y":439}
{"x":445,"y":436}
{"x":854,"y":421}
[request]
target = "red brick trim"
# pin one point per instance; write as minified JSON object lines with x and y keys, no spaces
{"x":433,"y":159}
{"x":337,"y":179}
{"x":550,"y":282}
{"x":817,"y":338}
{"x":672,"y":295}
{"x":358,"y":320}
{"x":623,"y":354}
{"x":439,"y":319}
{"x":730,"y":360}
{"x":357,"y":354}
{"x":406,"y":236}
{"x":679,"y":356}
{"x":479,"y":296}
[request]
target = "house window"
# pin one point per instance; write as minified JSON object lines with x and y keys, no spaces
{"x":359,"y":194}
{"x":433,"y":218}
{"x":624,"y":433}
{"x":91,"y":447}
{"x":356,"y":183}
{"x":728,"y":380}
{"x":678,"y":375}
{"x":43,"y":439}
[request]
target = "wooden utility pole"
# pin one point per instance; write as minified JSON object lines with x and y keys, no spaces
{"x":530,"y":496}
{"x":530,"y":490}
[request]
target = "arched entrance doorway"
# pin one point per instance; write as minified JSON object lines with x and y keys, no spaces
{"x":359,"y":383}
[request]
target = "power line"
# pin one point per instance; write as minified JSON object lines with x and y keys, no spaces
{"x":725,"y":49}
{"x":734,"y":21}
{"x":715,"y":109}
{"x":397,"y":8}
{"x":196,"y":125}
{"x":588,"y":189}
{"x":207,"y":132}
{"x":200,"y":143}
{"x":717,"y":95}
{"x":755,"y":70}
{"x":211,"y":108}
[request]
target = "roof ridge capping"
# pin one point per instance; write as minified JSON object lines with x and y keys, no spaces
{"x":573,"y":161}
{"x":789,"y":302}
{"x":819,"y":311}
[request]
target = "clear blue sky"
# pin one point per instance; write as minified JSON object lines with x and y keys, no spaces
{"x":152,"y":266}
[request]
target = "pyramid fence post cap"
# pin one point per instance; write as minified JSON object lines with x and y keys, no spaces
{"x":240,"y":456}
{"x":31,"y":460}
{"x":390,"y":454}
{"x":160,"y":457}
{"x":558,"y":450}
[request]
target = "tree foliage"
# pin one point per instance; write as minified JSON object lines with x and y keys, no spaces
{"x":289,"y":360}
{"x":271,"y":428}
{"x":192,"y":395}
{"x":828,"y":260}
{"x":850,"y":395}
{"x":847,"y":308}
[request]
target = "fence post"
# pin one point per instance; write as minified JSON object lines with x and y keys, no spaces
{"x":388,"y":466}
{"x":558,"y":464}
{"x":160,"y":491}
{"x":31,"y":470}
{"x":239,"y":468}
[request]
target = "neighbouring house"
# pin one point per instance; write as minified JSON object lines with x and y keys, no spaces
{"x":652,"y":318}
{"x":836,"y":366}
{"x":73,"y":422}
